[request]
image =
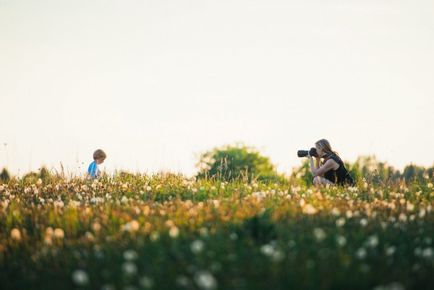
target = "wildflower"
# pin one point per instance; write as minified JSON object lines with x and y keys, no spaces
{"x":197,"y":246}
{"x":146,"y":282}
{"x":267,"y":250}
{"x":361,"y":253}
{"x":58,"y":203}
{"x":340,"y":222}
{"x":341,"y":241}
{"x":372,"y":241}
{"x":203,"y":232}
{"x":410,"y":207}
{"x":205,"y":280}
{"x":89,"y":236}
{"x":390,"y":250}
{"x":309,"y":209}
{"x":108,"y":287}
{"x":391,"y":286}
{"x":174,"y":232}
{"x":16,"y":234}
{"x":80,"y":277}
{"x":319,"y":234}
{"x":96,"y":226}
{"x":154,"y":236}
{"x":277,"y":255}
{"x":427,"y":253}
{"x":335,"y":212}
{"x":363,"y":222}
{"x":131,"y":226}
{"x":130,"y":255}
{"x":59,"y":233}
{"x":129,"y":268}
{"x":182,"y":281}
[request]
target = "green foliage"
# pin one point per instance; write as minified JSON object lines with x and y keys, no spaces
{"x":45,"y":174}
{"x":5,"y":176}
{"x":30,"y":177}
{"x":233,"y":162}
{"x":302,"y":174}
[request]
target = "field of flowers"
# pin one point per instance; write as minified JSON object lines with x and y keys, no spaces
{"x":170,"y":232}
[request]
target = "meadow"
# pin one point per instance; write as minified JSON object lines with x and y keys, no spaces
{"x":167,"y":231}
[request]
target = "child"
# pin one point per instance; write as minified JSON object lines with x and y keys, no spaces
{"x":98,"y":156}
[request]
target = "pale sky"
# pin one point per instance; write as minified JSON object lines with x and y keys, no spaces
{"x":155,"y":83}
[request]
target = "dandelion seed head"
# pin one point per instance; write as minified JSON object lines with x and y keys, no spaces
{"x":80,"y":277}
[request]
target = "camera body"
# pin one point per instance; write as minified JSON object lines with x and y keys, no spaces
{"x":304,"y":153}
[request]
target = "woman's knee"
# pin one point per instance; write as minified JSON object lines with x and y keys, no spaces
{"x":317,"y":180}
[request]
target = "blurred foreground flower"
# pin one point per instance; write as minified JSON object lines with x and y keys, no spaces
{"x":205,"y":280}
{"x":80,"y":277}
{"x":16,"y":234}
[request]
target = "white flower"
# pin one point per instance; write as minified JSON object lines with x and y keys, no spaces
{"x":335,"y":212}
{"x":390,"y":250}
{"x":205,"y":280}
{"x":259,"y":195}
{"x":361,"y":253}
{"x":174,"y":232}
{"x":363,"y":222}
{"x":372,"y":241}
{"x":80,"y":277}
{"x":319,"y":234}
{"x":341,"y":241}
{"x":267,"y":250}
{"x":277,"y":256}
{"x":129,"y":268}
{"x":233,"y":236}
{"x":197,"y":246}
{"x":391,"y":286}
{"x":410,"y":207}
{"x":130,"y":255}
{"x":146,"y":282}
{"x":427,"y":253}
{"x":340,"y":222}
{"x":309,"y":209}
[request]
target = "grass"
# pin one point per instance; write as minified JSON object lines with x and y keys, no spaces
{"x":169,"y":232}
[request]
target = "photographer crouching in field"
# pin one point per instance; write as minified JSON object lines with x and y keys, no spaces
{"x":331,"y":170}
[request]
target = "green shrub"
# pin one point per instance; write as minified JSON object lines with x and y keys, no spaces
{"x":232,"y":162}
{"x":5,"y":176}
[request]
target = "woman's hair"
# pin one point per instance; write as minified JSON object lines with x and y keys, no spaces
{"x":99,"y":154}
{"x":325,"y":146}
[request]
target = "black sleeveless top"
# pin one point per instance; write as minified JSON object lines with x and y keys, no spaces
{"x":339,"y":176}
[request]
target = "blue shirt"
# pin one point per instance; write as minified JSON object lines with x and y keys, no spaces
{"x":93,"y":170}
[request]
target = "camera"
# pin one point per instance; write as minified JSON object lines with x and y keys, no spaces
{"x":304,"y":153}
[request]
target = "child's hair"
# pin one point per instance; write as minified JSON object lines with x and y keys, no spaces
{"x":99,"y":154}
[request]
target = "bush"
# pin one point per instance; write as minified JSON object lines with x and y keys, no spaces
{"x":5,"y":176}
{"x":233,"y":162}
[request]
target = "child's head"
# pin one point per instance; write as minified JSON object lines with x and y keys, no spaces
{"x":99,"y":156}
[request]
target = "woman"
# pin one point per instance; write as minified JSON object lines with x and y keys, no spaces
{"x":332,"y":170}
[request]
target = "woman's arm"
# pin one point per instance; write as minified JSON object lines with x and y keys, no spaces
{"x":330,"y":164}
